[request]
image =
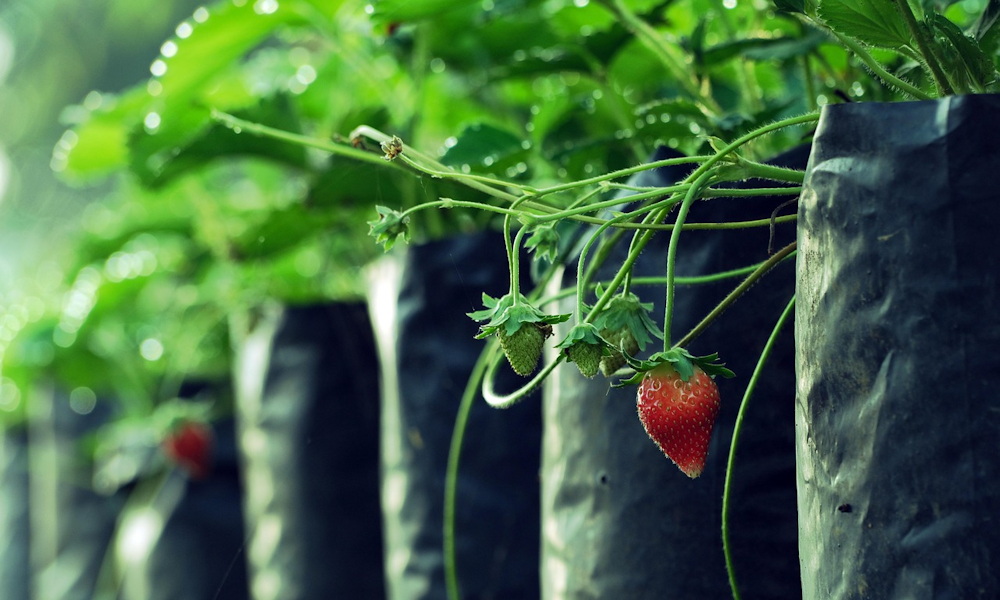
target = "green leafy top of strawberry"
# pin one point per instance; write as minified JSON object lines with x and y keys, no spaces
{"x":682,"y":360}
{"x":504,"y":312}
{"x":585,"y":347}
{"x":583,"y":333}
{"x":389,"y":227}
{"x":520,"y":326}
{"x":627,"y":312}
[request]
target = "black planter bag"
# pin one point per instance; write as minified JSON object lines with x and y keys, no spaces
{"x":620,"y":520}
{"x":428,"y":350}
{"x":308,"y":420}
{"x":198,"y":552}
{"x":72,"y":525}
{"x":15,"y":534}
{"x":898,"y":415}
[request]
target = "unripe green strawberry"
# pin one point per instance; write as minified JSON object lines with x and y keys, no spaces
{"x":622,"y":339}
{"x":522,"y":348}
{"x":586,"y":356}
{"x":679,"y":415}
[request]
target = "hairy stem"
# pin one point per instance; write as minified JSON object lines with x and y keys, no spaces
{"x":737,"y":429}
{"x":734,"y":295}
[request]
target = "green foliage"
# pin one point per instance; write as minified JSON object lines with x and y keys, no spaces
{"x":875,"y":22}
{"x":247,"y":168}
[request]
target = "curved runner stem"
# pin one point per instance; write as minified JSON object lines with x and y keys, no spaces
{"x":737,"y":428}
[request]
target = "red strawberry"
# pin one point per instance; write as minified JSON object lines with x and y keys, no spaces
{"x":189,"y":446}
{"x":679,"y":415}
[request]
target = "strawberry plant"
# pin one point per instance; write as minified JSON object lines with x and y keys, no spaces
{"x":287,"y":131}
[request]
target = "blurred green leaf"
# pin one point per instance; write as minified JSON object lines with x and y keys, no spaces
{"x":875,"y":22}
{"x":764,"y":49}
{"x":973,"y":62}
{"x":483,"y":146}
{"x":156,"y":165}
{"x":408,"y":11}
{"x":190,"y":77}
{"x":794,"y":6}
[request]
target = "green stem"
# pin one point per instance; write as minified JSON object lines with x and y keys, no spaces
{"x":347,"y":151}
{"x":675,"y":236}
{"x":745,"y":193}
{"x":918,"y":35}
{"x":497,"y":400}
{"x":514,"y":255}
{"x":581,"y":210}
{"x":772,"y":172}
{"x":451,"y":203}
{"x":737,"y":428}
{"x":878,"y":69}
{"x":620,"y":173}
{"x":734,"y":295}
{"x":655,"y":226}
{"x":639,"y":242}
{"x":747,"y":137}
{"x":451,"y":472}
{"x":655,"y":41}
{"x":582,"y":274}
{"x":439,"y":171}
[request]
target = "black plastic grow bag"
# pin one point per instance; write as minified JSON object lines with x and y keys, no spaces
{"x":196,"y":550}
{"x":619,"y":519}
{"x":15,"y":533}
{"x":308,"y":422}
{"x":897,"y":415}
{"x":72,"y":525}
{"x":428,"y":351}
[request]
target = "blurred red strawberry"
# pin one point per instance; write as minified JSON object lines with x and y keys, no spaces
{"x":189,"y":446}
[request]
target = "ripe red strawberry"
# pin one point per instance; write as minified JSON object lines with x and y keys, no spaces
{"x":679,"y":415}
{"x":189,"y":446}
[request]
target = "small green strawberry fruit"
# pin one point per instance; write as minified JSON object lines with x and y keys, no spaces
{"x":523,"y":347}
{"x":586,"y":356}
{"x":521,"y":328}
{"x":626,"y":325}
{"x":622,"y":343}
{"x":585,"y":347}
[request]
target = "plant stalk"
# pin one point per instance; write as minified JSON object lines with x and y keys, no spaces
{"x":737,"y":429}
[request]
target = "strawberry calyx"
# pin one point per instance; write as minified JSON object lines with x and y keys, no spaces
{"x":504,"y":312}
{"x":681,"y":360}
{"x":585,"y":347}
{"x":627,"y":327}
{"x":390,"y":226}
{"x":520,"y":327}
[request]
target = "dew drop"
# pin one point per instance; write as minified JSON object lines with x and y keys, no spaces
{"x":158,"y":68}
{"x":168,"y":49}
{"x":265,"y":7}
{"x":151,"y":122}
